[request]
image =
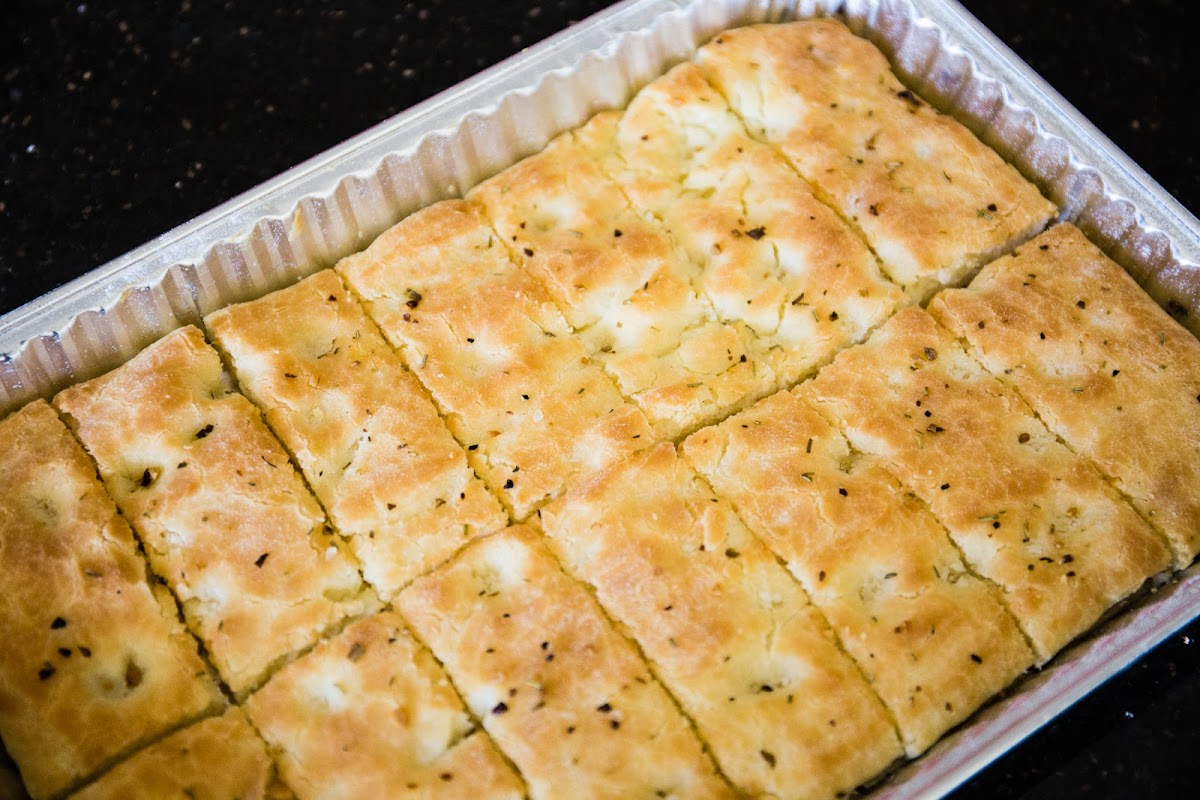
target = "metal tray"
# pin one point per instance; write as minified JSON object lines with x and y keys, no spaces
{"x":335,"y":203}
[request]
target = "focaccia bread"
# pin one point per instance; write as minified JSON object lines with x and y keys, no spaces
{"x":767,"y":254}
{"x":221,"y":758}
{"x":366,"y":436}
{"x":934,"y":640}
{"x":562,"y":693}
{"x":933,"y":201}
{"x":672,"y":490}
{"x":1026,"y":512}
{"x":225,"y":519}
{"x":369,"y":713}
{"x":517,"y":390}
{"x":623,"y":284}
{"x":1102,"y":365}
{"x":728,"y":631}
{"x":93,"y":659}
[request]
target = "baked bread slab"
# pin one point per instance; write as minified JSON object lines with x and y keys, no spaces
{"x":769,"y":255}
{"x":622,"y":283}
{"x":94,"y":660}
{"x":516,"y":389}
{"x":1026,"y":512}
{"x":565,"y":696}
{"x":369,"y":713}
{"x":1104,"y":367}
{"x":225,"y":519}
{"x":365,"y":434}
{"x":933,"y":639}
{"x":729,"y":631}
{"x":220,"y":758}
{"x":934,"y":202}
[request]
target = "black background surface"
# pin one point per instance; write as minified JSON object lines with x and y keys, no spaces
{"x":119,"y":121}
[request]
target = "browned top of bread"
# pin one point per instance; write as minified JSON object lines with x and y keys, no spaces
{"x":1026,"y":512}
{"x":94,"y":660}
{"x":565,"y":696}
{"x":1101,"y":363}
{"x":517,"y":390}
{"x":933,"y":201}
{"x":724,"y":626}
{"x":221,"y":758}
{"x":934,"y":639}
{"x":224,"y":517}
{"x":364,"y":432}
{"x":368,"y":713}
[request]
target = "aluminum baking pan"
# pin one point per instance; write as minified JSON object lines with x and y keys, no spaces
{"x":337,"y":202}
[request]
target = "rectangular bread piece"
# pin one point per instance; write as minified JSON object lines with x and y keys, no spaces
{"x":562,"y":693}
{"x":93,"y":660}
{"x":623,"y":284}
{"x":515,"y":387}
{"x":365,"y":434}
{"x":934,"y":640}
{"x":1102,"y":365}
{"x":934,"y":202}
{"x":220,"y":758}
{"x":225,"y":519}
{"x":768,"y":254}
{"x":727,"y":629}
{"x":1026,"y":512}
{"x":369,"y":713}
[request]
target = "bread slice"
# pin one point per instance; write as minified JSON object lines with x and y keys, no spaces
{"x":725,"y":627}
{"x":563,"y":694}
{"x":369,"y":713}
{"x":362,"y":429}
{"x":934,"y":202}
{"x":1026,"y":512}
{"x":1103,"y":366}
{"x":94,"y":660}
{"x":225,"y":519}
{"x":220,"y":758}
{"x":933,"y":639}
{"x":623,"y":284}
{"x":768,"y":254}
{"x":515,"y":387}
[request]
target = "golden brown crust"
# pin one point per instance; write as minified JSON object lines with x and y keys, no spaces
{"x":622,"y":283}
{"x":1101,"y":363}
{"x":93,"y":660}
{"x":726,"y":628}
{"x":516,"y":388}
{"x":768,"y":254}
{"x":933,"y":639}
{"x":368,"y":439}
{"x":564,"y":694}
{"x":220,"y":758}
{"x":369,"y":713}
{"x":932,"y":200}
{"x":1026,"y":512}
{"x":224,"y":516}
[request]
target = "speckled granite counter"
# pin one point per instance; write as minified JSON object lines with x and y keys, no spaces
{"x":116,"y":125}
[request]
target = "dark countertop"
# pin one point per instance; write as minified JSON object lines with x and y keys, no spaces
{"x":116,"y":126}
